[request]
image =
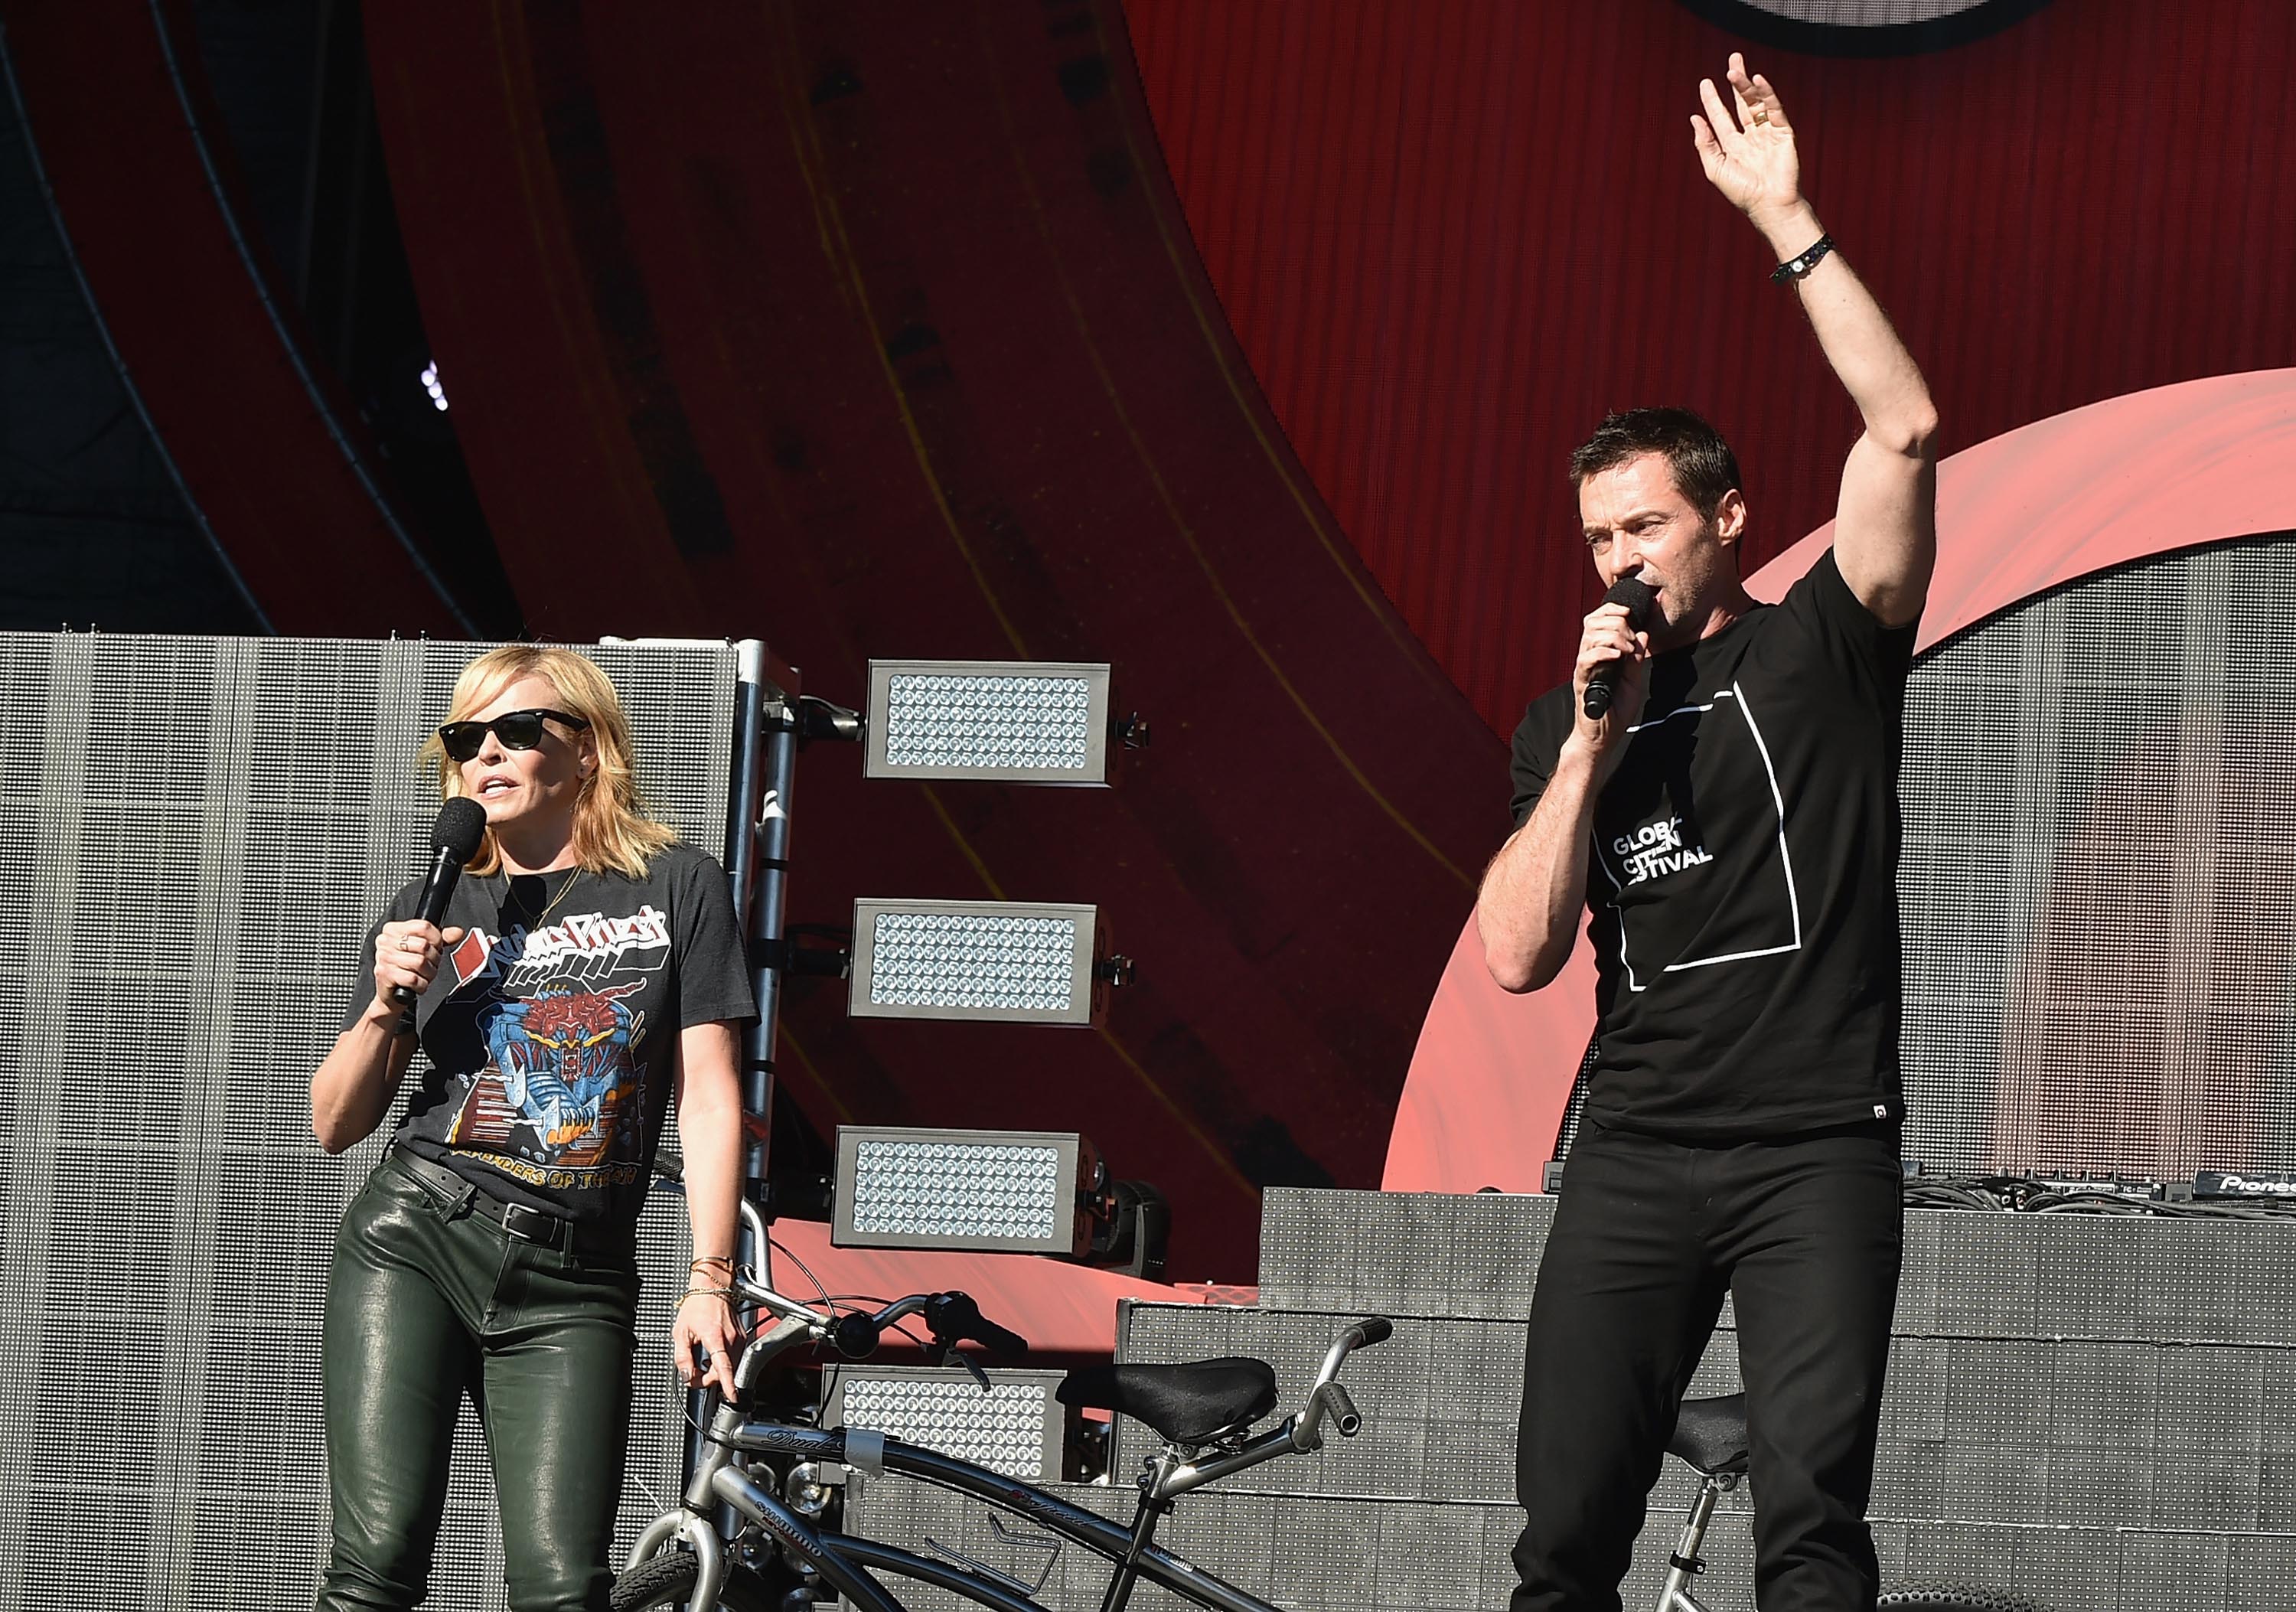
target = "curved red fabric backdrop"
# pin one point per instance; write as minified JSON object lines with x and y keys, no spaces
{"x":2089,"y":489}
{"x":880,"y":330}
{"x":874,"y":331}
{"x":266,"y":452}
{"x":1451,"y":236}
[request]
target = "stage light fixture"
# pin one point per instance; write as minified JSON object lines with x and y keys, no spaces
{"x":1021,"y":722}
{"x":1005,"y":1191}
{"x":1017,"y":1427}
{"x":1017,"y":962}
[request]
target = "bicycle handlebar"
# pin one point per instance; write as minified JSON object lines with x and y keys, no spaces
{"x":1326,"y":1397}
{"x":1302,"y":1432}
{"x":952,"y":1316}
{"x":855,"y":1334}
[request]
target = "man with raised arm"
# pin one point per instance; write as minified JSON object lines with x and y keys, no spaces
{"x":1731,"y":825}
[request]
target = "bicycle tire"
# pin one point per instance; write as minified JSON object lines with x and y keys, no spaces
{"x":1954,"y":1598}
{"x":666,"y":1579}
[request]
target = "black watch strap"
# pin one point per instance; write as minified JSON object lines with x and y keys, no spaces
{"x":1794,"y":268}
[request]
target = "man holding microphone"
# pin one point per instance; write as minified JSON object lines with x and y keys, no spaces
{"x":1729,"y":824}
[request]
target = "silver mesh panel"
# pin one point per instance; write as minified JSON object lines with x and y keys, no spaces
{"x":946,"y":959}
{"x":2097,"y":887}
{"x":969,"y":1189}
{"x":987,"y":721}
{"x":196,"y":834}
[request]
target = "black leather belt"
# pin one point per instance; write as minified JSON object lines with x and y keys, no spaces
{"x":520,"y":1220}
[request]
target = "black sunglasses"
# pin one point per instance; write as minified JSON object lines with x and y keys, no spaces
{"x":517,"y":730}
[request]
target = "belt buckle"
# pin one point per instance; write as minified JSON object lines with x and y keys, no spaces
{"x":516,"y":1218}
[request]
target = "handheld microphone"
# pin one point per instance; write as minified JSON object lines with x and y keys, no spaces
{"x":455,"y":839}
{"x":1638,"y":596}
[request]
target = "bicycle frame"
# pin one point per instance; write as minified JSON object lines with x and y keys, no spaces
{"x":843,"y":1562}
{"x":1674,"y":1595}
{"x":720,"y":1478}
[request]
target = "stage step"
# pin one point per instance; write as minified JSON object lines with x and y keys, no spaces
{"x":2039,"y":1432}
{"x":1967,"y":1272}
{"x":2097,"y":1412}
{"x":1323,"y":1554}
{"x":1312,"y":1555}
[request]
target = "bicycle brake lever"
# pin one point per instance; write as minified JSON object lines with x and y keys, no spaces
{"x":950,"y":1352}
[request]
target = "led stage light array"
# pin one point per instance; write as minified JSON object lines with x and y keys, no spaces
{"x":1022,"y":721}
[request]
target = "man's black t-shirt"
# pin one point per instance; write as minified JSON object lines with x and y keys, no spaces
{"x":552,"y":1027}
{"x":1742,"y":881}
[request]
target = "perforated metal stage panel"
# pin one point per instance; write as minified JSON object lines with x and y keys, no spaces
{"x":2098,"y":897}
{"x":1315,"y":1554}
{"x":195,"y":836}
{"x":2096,"y":1411}
{"x":1344,"y":1555}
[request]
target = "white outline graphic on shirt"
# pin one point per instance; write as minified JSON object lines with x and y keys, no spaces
{"x":1786,"y":856}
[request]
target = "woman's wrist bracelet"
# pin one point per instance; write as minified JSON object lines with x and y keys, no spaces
{"x":725,"y":1292}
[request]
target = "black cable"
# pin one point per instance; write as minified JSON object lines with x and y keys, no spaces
{"x":819,"y":1287}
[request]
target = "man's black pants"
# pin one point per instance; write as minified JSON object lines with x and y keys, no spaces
{"x":1804,"y":1233}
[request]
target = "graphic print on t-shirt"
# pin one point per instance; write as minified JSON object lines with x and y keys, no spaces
{"x":558,"y":1102}
{"x":1669,"y":845}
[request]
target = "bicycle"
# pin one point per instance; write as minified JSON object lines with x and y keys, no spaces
{"x":1203,"y":1411}
{"x":1710,"y":1437}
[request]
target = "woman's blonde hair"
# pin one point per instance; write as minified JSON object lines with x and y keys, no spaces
{"x":613,"y":828}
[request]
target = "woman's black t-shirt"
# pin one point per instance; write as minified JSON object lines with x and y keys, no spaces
{"x":552,"y":1027}
{"x":1742,"y":882}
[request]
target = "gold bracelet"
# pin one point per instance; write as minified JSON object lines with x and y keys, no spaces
{"x":710,"y":1259}
{"x":725,"y":1292}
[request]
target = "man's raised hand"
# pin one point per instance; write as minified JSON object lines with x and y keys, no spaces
{"x":1747,"y":148}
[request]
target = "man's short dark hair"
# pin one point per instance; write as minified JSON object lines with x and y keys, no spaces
{"x":1704,"y":468}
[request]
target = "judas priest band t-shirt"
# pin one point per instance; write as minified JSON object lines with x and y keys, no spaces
{"x":552,"y":1029}
{"x":1741,"y":885}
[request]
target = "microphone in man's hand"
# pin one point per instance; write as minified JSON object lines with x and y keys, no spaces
{"x":453,"y":841}
{"x":1638,"y":596}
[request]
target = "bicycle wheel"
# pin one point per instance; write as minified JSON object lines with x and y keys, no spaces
{"x":667,"y":1580}
{"x":1954,"y":1598}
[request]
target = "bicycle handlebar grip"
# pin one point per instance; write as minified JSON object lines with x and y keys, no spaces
{"x":954,"y":1315}
{"x":1345,"y":1417}
{"x":1375,"y":1329}
{"x":998,"y":1340}
{"x":854,"y":1335}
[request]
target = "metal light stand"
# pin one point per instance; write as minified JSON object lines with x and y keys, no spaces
{"x":756,"y":866}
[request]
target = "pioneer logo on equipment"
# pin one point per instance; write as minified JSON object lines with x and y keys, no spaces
{"x":2227,"y":1183}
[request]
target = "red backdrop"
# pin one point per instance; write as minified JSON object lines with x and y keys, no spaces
{"x":1450,"y":236}
{"x":880,"y":330}
{"x":873,"y":331}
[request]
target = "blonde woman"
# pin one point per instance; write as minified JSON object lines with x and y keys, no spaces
{"x":589,"y":968}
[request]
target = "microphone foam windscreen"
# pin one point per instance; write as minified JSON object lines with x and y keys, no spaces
{"x":1638,"y":596}
{"x":462,"y":824}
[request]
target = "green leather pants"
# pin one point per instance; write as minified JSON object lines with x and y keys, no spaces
{"x":428,"y":1301}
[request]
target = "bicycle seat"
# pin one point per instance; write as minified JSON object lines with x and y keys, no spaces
{"x":1187,"y":1404}
{"x":1710,"y":1434}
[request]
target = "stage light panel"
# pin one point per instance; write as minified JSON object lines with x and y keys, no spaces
{"x":1017,"y":1427}
{"x":1011,"y":961}
{"x":1023,"y":721}
{"x":1005,"y":1191}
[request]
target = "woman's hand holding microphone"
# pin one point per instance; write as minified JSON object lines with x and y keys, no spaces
{"x":407,"y":953}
